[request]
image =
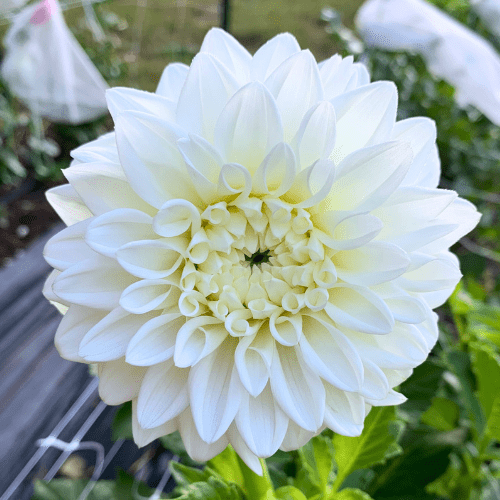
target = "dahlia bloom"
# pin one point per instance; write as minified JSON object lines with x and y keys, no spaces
{"x":254,"y":253}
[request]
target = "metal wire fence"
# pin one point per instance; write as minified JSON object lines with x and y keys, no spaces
{"x":76,"y":443}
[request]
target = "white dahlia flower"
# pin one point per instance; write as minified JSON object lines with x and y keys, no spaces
{"x":254,"y":253}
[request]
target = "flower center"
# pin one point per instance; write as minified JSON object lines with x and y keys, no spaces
{"x":259,"y":257}
{"x":253,"y":260}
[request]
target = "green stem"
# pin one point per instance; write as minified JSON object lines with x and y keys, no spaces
{"x":338,"y":481}
{"x":463,"y":335}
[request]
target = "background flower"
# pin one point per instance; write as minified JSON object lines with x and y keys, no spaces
{"x":451,"y":50}
{"x":254,"y":254}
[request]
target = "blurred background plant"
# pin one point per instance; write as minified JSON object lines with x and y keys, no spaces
{"x":443,"y":442}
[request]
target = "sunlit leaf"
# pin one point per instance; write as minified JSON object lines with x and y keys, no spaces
{"x":486,"y":367}
{"x":289,"y":493}
{"x":460,"y":364}
{"x":442,"y":415}
{"x":352,"y":494}
{"x":213,"y":489}
{"x":377,"y":443}
{"x":185,"y":475}
{"x":226,"y":464}
{"x":316,"y":466}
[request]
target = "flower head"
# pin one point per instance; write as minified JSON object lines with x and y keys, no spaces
{"x":254,"y":254}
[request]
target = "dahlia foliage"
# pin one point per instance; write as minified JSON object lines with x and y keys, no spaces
{"x":254,"y":253}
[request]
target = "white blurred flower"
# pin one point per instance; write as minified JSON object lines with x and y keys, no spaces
{"x":254,"y":253}
{"x":452,"y":51}
{"x":489,"y":12}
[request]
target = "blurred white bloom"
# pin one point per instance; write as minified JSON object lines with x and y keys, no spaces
{"x":489,"y":12}
{"x":452,"y":51}
{"x":254,"y":253}
{"x":48,"y":70}
{"x":6,"y":6}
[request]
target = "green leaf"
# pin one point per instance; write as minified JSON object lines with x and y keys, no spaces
{"x":420,"y":388}
{"x":444,"y":484}
{"x":59,"y":489}
{"x":442,"y":415}
{"x":359,"y":479}
{"x":289,"y":493}
{"x":257,"y":487}
{"x":124,"y":485}
{"x":71,"y":489}
{"x":173,"y":443}
{"x":486,"y":367}
{"x":425,"y":457}
{"x":377,"y":443}
{"x":316,"y":464}
{"x":493,"y":422}
{"x":484,"y":323}
{"x":185,"y":475}
{"x":352,"y":494}
{"x":456,"y":482}
{"x":122,"y":423}
{"x":460,"y":364}
{"x":226,"y":464}
{"x":282,"y":468}
{"x":278,"y":477}
{"x":460,"y":301}
{"x":213,"y":489}
{"x":232,"y":469}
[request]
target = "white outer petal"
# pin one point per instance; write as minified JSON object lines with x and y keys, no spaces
{"x":365,"y":117}
{"x":296,"y":86}
{"x":172,"y":80}
{"x":104,"y":187}
{"x":208,"y":87}
{"x":272,"y":54}
{"x":118,"y":381}
{"x":228,"y":51}
{"x":198,"y":338}
{"x":74,"y":325}
{"x":96,"y":282}
{"x":296,"y":437}
{"x":344,"y":412}
{"x":248,"y":127}
{"x":121,"y":99}
{"x":68,"y":204}
{"x":215,"y":392}
{"x":102,"y":149}
{"x":330,"y":354}
{"x":142,"y":437}
{"x":196,"y":447}
{"x":253,"y":358}
{"x":68,"y":246}
{"x":298,"y":390}
{"x":154,"y":341}
{"x":111,"y":230}
{"x":241,"y":448}
{"x":108,"y":339}
{"x":261,"y":423}
{"x":315,"y":138}
{"x":149,"y":170}
{"x":359,"y":308}
{"x":163,"y":394}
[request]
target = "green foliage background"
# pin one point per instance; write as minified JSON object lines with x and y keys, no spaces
{"x":443,"y":443}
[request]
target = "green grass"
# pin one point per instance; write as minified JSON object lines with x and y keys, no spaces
{"x":162,"y":31}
